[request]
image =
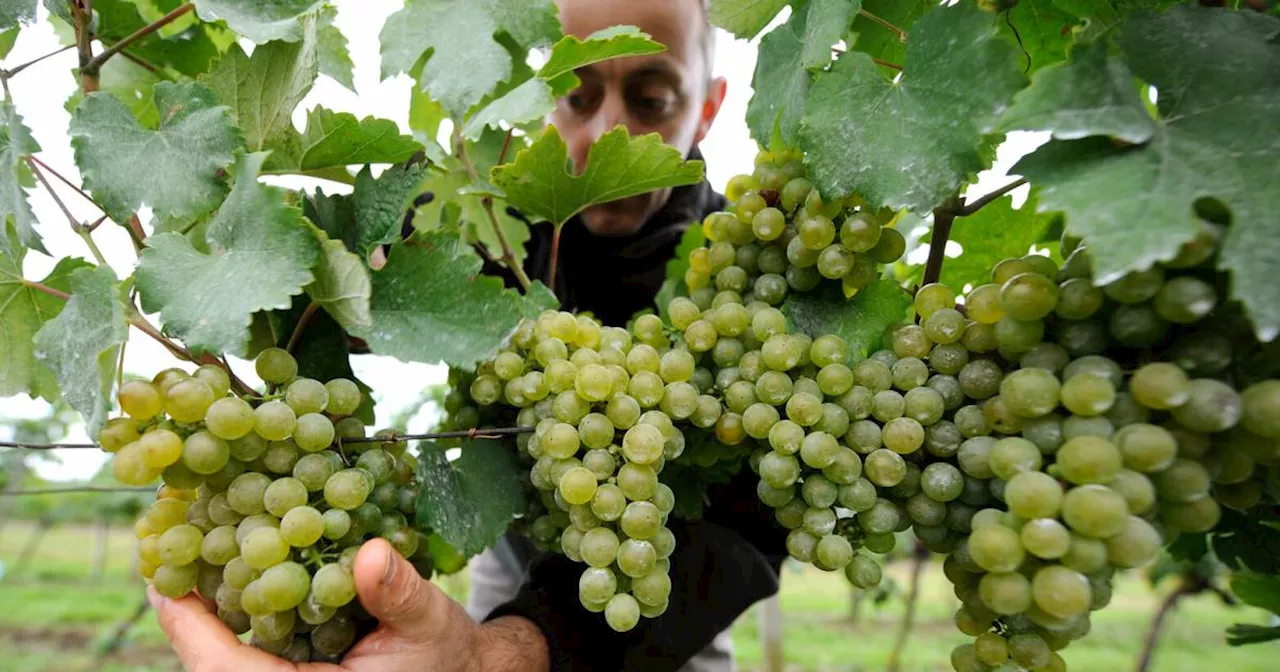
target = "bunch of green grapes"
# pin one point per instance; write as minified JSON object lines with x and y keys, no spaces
{"x":604,"y":402}
{"x":261,"y":511}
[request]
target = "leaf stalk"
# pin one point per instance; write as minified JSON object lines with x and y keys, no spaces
{"x":95,"y":64}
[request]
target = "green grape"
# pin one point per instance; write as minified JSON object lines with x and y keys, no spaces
{"x":980,"y":379}
{"x":901,"y":435}
{"x":1033,"y":494}
{"x":337,"y":523}
{"x":187,"y":400}
{"x":1094,"y":511}
{"x":1195,"y":517}
{"x":640,"y":520}
{"x":597,"y":584}
{"x":884,"y":468}
{"x":346,"y":489}
{"x":344,"y":397}
{"x":333,"y":586}
{"x":991,"y":649}
{"x":179,"y":545}
{"x":846,"y":468}
{"x":1030,"y":393}
{"x":622,"y":612}
{"x":996,"y":548}
{"x":890,"y":246}
{"x":643,"y":444}
{"x":881,"y":518}
{"x":636,"y":557}
{"x":313,"y":432}
{"x":220,"y":546}
{"x":801,"y":545}
{"x":1013,"y":455}
{"x":859,"y":233}
{"x":276,"y":365}
{"x":1088,"y":394}
{"x":1088,"y":459}
{"x":1146,"y":448}
{"x":285,"y":586}
{"x":245,"y":493}
{"x":333,"y":637}
{"x":833,"y":552}
{"x":229,"y":418}
{"x":1029,"y":651}
{"x":863,"y":572}
{"x":933,"y":297}
{"x":1135,"y":545}
{"x":302,"y":526}
{"x":941,"y":482}
{"x":971,"y":422}
{"x":1261,"y":409}
{"x":274,"y":420}
{"x":561,"y":440}
{"x":857,"y":496}
{"x":1028,"y":296}
{"x":175,"y":581}
{"x":779,"y":470}
{"x":924,"y":511}
{"x":1060,"y":591}
{"x":1045,"y":538}
{"x":577,"y":485}
{"x":973,"y":457}
{"x":1183,"y":481}
{"x":835,"y":262}
{"x":1211,"y":406}
{"x":313,"y":471}
{"x":263,"y":548}
{"x":305,"y":395}
{"x":1078,"y":299}
{"x":377,"y":463}
{"x":1185,"y":299}
{"x":160,"y":448}
{"x":140,"y":399}
{"x":1136,"y":287}
{"x":636,"y":481}
{"x":1018,"y":336}
{"x":595,"y":431}
{"x":1007,"y":268}
{"x":911,"y":341}
{"x":1005,"y":593}
{"x":815,"y":232}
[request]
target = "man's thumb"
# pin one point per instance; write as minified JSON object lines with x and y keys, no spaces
{"x":391,"y":591}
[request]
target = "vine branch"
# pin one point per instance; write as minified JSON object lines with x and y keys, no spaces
{"x":76,"y":225}
{"x":86,"y":488}
{"x":902,"y":34}
{"x":969,"y":208}
{"x":12,"y":72}
{"x":1188,"y":587}
{"x":943,"y":217}
{"x":508,"y":254}
{"x":63,"y":179}
{"x":920,"y":555}
{"x":82,"y":17}
{"x":304,"y":321}
{"x":95,"y":64}
{"x":46,"y":446}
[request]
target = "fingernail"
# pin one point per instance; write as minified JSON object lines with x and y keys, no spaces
{"x":389,"y":570}
{"x":154,"y":598}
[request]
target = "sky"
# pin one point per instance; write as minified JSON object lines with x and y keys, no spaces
{"x":41,"y":91}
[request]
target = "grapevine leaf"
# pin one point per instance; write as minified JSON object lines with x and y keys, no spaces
{"x":1257,"y":590}
{"x":1103,"y":16}
{"x":916,"y":139}
{"x":470,"y":500}
{"x":618,"y":165}
{"x":528,"y":102}
{"x":7,"y":39}
{"x":425,"y":116}
{"x":744,"y":18}
{"x":780,"y":84}
{"x":995,"y":232}
{"x":1244,"y":633}
{"x":334,"y":214}
{"x":467,"y":211}
{"x":259,"y":20}
{"x":465,"y":61}
{"x":860,"y":321}
{"x":874,"y":39}
{"x":190,"y":52}
{"x":1042,"y":29}
{"x":334,"y":140}
{"x":15,"y":143}
{"x":535,"y":98}
{"x":674,"y":286}
{"x":264,"y":252}
{"x":263,"y":90}
{"x":335,"y":58}
{"x":571,"y":53}
{"x":342,"y":285}
{"x":15,"y":12}
{"x":23,"y":311}
{"x":380,"y":204}
{"x":1092,"y":94}
{"x":82,"y":343}
{"x":131,"y":83}
{"x":431,"y":304}
{"x":827,"y":23}
{"x":1218,"y":136}
{"x":174,"y":169}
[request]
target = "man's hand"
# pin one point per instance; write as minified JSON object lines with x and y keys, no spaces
{"x":420,"y":628}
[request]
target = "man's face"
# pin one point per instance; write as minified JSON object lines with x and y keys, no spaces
{"x":670,"y":93}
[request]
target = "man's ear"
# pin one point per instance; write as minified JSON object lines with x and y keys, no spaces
{"x":711,"y":107}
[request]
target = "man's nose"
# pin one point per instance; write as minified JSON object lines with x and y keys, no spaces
{"x":611,"y":113}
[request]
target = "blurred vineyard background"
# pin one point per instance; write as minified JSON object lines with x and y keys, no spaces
{"x":70,"y":599}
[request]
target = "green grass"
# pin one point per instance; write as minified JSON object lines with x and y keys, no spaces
{"x":52,"y":616}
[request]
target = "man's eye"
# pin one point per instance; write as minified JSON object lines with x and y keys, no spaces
{"x":578,"y":102}
{"x":651,"y":104}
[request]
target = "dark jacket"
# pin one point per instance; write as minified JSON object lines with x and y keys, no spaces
{"x":723,"y":563}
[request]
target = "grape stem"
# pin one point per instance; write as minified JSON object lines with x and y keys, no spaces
{"x":1190,"y":585}
{"x":920,"y":555}
{"x":508,"y":254}
{"x":96,"y":62}
{"x":943,"y":217}
{"x":969,"y":208}
{"x":41,"y":287}
{"x":555,"y":256}
{"x":137,"y":320}
{"x":61,"y":178}
{"x":12,"y":72}
{"x":303,"y":322}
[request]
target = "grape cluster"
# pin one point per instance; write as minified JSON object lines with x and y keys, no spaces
{"x":260,"y":510}
{"x":604,"y":401}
